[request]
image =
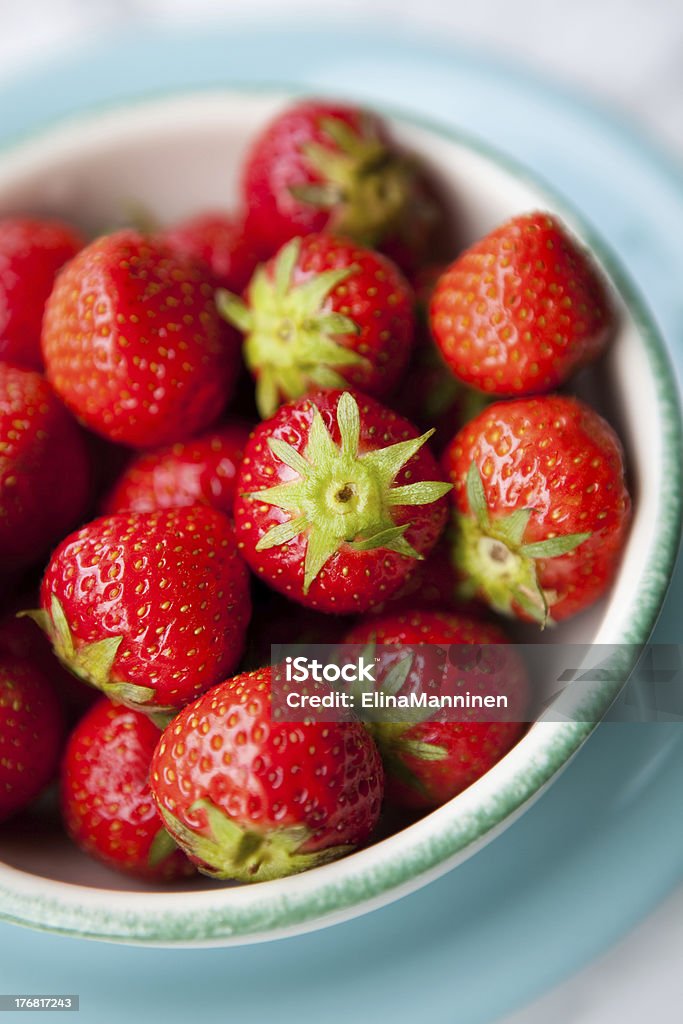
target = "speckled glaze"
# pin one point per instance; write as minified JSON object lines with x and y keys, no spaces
{"x":94,"y":159}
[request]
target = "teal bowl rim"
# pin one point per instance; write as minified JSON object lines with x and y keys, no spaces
{"x":322,"y":899}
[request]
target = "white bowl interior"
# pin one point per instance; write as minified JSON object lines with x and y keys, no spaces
{"x":180,"y":155}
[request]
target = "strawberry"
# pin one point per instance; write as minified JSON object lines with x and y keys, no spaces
{"x":522,"y":309}
{"x":31,"y":730}
{"x":337,"y":501}
{"x":200,"y":471}
{"x":321,"y":166}
{"x":542,"y":509}
{"x":150,"y":607}
{"x":31,"y":253}
{"x":254,"y":799}
{"x":44,"y":472}
{"x":133,"y":343}
{"x":220,"y":241}
{"x":323,"y":313}
{"x":431,"y":760}
{"x":107,"y":804}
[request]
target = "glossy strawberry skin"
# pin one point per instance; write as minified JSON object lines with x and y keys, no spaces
{"x":170,"y":583}
{"x":556,"y":455}
{"x":31,"y":253}
{"x":468,"y":749}
{"x":200,"y":471}
{"x":266,"y":776}
{"x":277,"y":166}
{"x":44,"y":470}
{"x":106,"y":801}
{"x":219,"y":240}
{"x":351,"y":581}
{"x":31,"y":731}
{"x":376,"y":297}
{"x":522,"y":309}
{"x":133,"y":343}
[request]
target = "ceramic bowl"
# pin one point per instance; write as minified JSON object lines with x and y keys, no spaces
{"x":177,"y":155}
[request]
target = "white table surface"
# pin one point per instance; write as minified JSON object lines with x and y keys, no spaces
{"x":627,"y":52}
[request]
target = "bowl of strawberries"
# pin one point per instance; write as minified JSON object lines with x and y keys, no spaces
{"x":279,"y":371}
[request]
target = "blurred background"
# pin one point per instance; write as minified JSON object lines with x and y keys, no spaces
{"x":627,"y":52}
{"x":624,"y":54}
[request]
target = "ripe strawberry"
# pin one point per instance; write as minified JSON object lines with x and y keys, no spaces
{"x":321,"y":166}
{"x":31,"y":730}
{"x":220,"y":241}
{"x":44,"y":472}
{"x":149,"y":607}
{"x":542,"y":506}
{"x":522,"y":309}
{"x":200,"y":471}
{"x":336,"y":501}
{"x":323,"y":313}
{"x":107,"y":804}
{"x":431,"y":760}
{"x":253,"y":799}
{"x":133,"y":343}
{"x":31,"y":253}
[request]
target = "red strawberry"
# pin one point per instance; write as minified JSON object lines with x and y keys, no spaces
{"x":542,"y":506}
{"x":44,"y":472}
{"x":200,"y":471}
{"x":133,"y":343}
{"x":337,"y":501}
{"x":321,"y":166}
{"x":253,"y":799}
{"x":522,"y":309}
{"x":429,"y":761}
{"x":323,"y":313}
{"x":107,"y":804}
{"x":31,"y":253}
{"x":31,"y":730}
{"x":219,"y":240}
{"x":149,"y":607}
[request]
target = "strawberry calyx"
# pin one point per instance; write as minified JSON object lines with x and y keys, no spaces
{"x":365,"y":185}
{"x":495,"y":561}
{"x":163,"y":845}
{"x":93,"y":662}
{"x":230,"y":851}
{"x":291,"y":338}
{"x":341,"y":496}
{"x":395,"y":747}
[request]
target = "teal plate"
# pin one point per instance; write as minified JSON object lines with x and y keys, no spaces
{"x":566,"y":879}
